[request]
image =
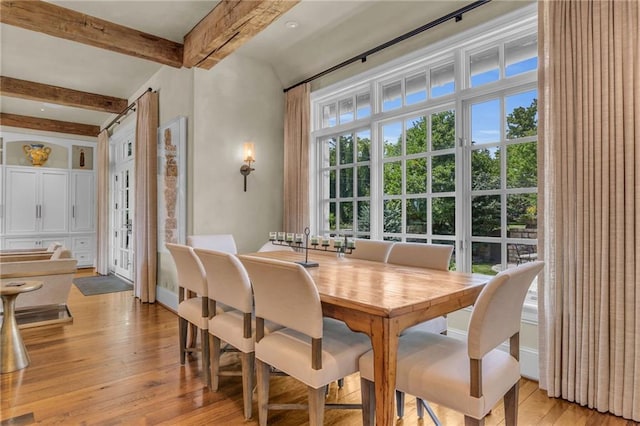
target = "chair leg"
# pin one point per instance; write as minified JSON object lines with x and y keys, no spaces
{"x":215,"y":363}
{"x":206,"y":357}
{"x":316,"y":405}
{"x":263,"y":370}
{"x":368,"y":394}
{"x":470,"y":421}
{"x":421,"y":406}
{"x":511,"y":406}
{"x":400,"y":403}
{"x":340,"y":383}
{"x":248,"y":367}
{"x":182,"y":333}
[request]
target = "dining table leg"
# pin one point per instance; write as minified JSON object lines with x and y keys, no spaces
{"x":384,"y":340}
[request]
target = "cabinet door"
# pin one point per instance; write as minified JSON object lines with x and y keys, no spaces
{"x":82,"y":202}
{"x":54,"y":193}
{"x":21,"y":203}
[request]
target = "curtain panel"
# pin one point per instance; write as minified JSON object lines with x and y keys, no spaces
{"x":296,"y":159}
{"x":146,"y":204}
{"x":102,"y":205}
{"x":589,"y":170}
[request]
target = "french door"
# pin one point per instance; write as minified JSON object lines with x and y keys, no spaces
{"x":122,"y":198}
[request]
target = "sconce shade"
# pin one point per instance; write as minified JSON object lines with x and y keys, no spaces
{"x":249,"y":152}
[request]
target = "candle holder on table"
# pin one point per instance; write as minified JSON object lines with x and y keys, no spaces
{"x":296,"y":241}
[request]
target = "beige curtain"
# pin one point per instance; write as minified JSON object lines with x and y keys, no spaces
{"x":102,"y":253}
{"x":296,"y":159}
{"x":589,"y":162}
{"x":145,"y":219}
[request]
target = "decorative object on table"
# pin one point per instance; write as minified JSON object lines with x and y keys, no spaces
{"x":37,"y":153}
{"x":171,"y":183}
{"x":248,"y":157}
{"x":340,"y":246}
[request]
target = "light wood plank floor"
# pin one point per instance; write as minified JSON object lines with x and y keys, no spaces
{"x":118,"y":364}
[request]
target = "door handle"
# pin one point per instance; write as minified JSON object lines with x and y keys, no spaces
{"x":73,"y":211}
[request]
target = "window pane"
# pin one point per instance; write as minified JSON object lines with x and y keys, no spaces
{"x":391,"y":96}
{"x":346,"y":149}
{"x":417,"y":176}
{"x":484,"y":67}
{"x":346,"y":183}
{"x":486,"y":258}
{"x":443,"y":173}
{"x":485,"y":122}
{"x":363,"y":105}
{"x":442,"y":81}
{"x":443,"y":216}
{"x":364,"y":216}
{"x":521,"y":253}
{"x":392,"y":139}
{"x":364,"y":181}
{"x":331,"y":145}
{"x":522,"y":216}
{"x":332,"y":216}
{"x":392,"y":178}
{"x":346,"y":110}
{"x":521,"y":55}
{"x":363,"y":140}
{"x":522,"y":115}
{"x":416,"y":89}
{"x":443,"y":130}
{"x":329,"y":115}
{"x":346,"y":215}
{"x":392,"y":216}
{"x":332,"y":184}
{"x":485,"y":216}
{"x":416,"y":135}
{"x":416,"y":216}
{"x":522,"y":165}
{"x":485,"y":169}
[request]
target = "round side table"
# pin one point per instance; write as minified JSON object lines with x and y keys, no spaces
{"x":13,"y":354}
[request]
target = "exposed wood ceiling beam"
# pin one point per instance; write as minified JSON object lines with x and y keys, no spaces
{"x":227,"y":27}
{"x":30,"y":90}
{"x":65,"y":23}
{"x":47,"y":125}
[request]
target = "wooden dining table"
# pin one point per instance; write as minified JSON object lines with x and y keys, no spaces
{"x":381,"y":300}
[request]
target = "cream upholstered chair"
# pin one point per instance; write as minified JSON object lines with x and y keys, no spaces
{"x":375,"y":250}
{"x":472,"y":376}
{"x":219,"y":242}
{"x":431,"y":256}
{"x":228,"y":284}
{"x":311,"y":349}
{"x":193,"y":304}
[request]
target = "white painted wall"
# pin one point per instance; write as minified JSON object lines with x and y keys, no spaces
{"x":238,"y":100}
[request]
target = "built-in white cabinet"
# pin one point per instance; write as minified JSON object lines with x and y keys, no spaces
{"x":51,"y":202}
{"x":82,"y":201}
{"x":36,"y":201}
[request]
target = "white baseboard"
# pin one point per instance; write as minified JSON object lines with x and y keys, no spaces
{"x":167,"y":298}
{"x":528,"y":356}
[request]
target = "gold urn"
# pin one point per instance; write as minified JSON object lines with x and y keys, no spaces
{"x":37,"y":153}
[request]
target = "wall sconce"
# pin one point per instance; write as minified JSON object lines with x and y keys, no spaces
{"x":248,"y":157}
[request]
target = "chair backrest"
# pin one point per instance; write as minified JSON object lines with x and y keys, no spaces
{"x":375,"y":250}
{"x":497,"y":312}
{"x":268,"y":246}
{"x":432,"y":256}
{"x":54,"y":246}
{"x":61,"y":253}
{"x":227,"y":280}
{"x":190,"y":271}
{"x":285,"y":293}
{"x":218,"y":242}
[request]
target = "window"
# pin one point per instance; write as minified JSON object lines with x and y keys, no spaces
{"x":445,"y":154}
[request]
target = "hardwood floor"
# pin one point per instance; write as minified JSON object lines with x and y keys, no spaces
{"x":117,"y":363}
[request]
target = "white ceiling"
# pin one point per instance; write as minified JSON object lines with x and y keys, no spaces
{"x":328,"y":33}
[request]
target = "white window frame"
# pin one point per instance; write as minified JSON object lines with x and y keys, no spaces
{"x":457,"y":48}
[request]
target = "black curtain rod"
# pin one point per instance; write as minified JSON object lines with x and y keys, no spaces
{"x":124,"y":111}
{"x":457,"y":15}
